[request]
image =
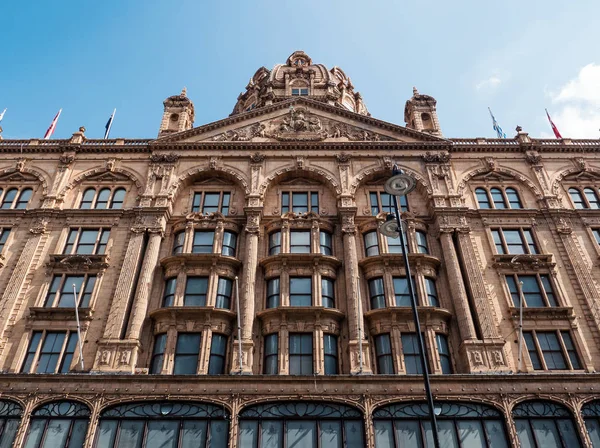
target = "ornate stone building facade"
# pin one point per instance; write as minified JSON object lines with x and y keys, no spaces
{"x":286,"y":195}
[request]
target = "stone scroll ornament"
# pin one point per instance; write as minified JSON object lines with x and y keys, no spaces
{"x":299,"y":124}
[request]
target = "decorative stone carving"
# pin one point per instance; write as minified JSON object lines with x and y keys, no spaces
{"x":164,"y":158}
{"x":300,"y":162}
{"x":105,"y":356}
{"x":21,"y":165}
{"x":533,"y":157}
{"x":39,"y":225}
{"x":66,"y":159}
{"x":257,"y":157}
{"x":110,"y":165}
{"x":213,"y":162}
{"x":436,"y":157}
{"x":490,"y":163}
{"x":388,"y":163}
{"x":581,"y":164}
{"x":343,"y":158}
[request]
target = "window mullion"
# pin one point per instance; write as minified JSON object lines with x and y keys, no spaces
{"x":62,"y":353}
{"x":490,"y":199}
{"x":564,"y":350}
{"x":38,"y":351}
{"x":542,"y":290}
{"x":503,"y":240}
{"x":505,"y":198}
{"x":538,"y":348}
{"x":76,"y":242}
{"x":98,"y":237}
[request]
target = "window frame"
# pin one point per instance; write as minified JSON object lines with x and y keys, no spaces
{"x":187,"y":295}
{"x":220,"y":356}
{"x":550,"y":301}
{"x":491,"y":202}
{"x":267,"y":355}
{"x":565,"y":352}
{"x":5,"y":233}
{"x":56,"y":289}
{"x":286,"y":198}
{"x":368,"y":247}
{"x":504,"y":248}
{"x":389,"y":356}
{"x":177,"y":354}
{"x":95,"y":199}
{"x":302,"y":355}
{"x":14,"y":203}
{"x":100,"y":244}
{"x":300,"y":248}
{"x":67,"y":350}
{"x":76,"y":412}
{"x":293,"y":295}
{"x":381,"y":207}
{"x":196,"y":246}
{"x":224,"y":197}
{"x":325,"y":243}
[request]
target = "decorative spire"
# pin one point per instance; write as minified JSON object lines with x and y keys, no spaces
{"x":184,"y":91}
{"x":415,"y":91}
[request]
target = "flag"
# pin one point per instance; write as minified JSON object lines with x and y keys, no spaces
{"x":2,"y":114}
{"x":554,"y":128}
{"x":109,"y":124}
{"x":50,"y":130}
{"x":497,"y":127}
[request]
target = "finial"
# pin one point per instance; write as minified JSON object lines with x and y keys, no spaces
{"x":415,"y":91}
{"x":184,"y":91}
{"x":82,"y":129}
{"x":518,"y":128}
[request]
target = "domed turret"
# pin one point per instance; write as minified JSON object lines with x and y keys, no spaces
{"x":300,"y":77}
{"x":178,"y":114}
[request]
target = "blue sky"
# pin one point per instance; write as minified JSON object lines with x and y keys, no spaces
{"x":90,"y":57}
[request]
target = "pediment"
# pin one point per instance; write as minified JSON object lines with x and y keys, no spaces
{"x":583,"y":176}
{"x":300,"y":181}
{"x":212,"y":181}
{"x":108,"y":177}
{"x":492,"y":176}
{"x":18,"y":177}
{"x":300,"y":119}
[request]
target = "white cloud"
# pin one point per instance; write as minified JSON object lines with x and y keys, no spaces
{"x":488,"y":84}
{"x":578,"y":102}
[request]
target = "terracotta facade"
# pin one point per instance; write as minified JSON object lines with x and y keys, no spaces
{"x":286,"y":196}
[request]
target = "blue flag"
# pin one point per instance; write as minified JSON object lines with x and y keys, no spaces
{"x":497,"y":127}
{"x":109,"y":124}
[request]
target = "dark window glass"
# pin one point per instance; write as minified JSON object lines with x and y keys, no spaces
{"x":87,"y":199}
{"x":394,"y":246}
{"x":592,"y":197}
{"x":211,"y":202}
{"x":178,"y":242}
{"x":87,"y":241}
{"x":514,"y":241}
{"x":186,"y":354}
{"x":314,"y":202}
{"x":285,"y":203}
{"x":498,"y":198}
{"x":158,"y":353}
{"x":422,"y":246}
{"x":301,"y":358}
{"x":58,"y":425}
{"x":513,"y":198}
{"x":218,"y":351}
{"x":482,"y":198}
{"x":102,"y":200}
{"x":169,"y":294}
{"x":371,"y":244}
{"x":300,"y":291}
{"x":554,"y":348}
{"x":410,"y":350}
{"x":50,"y":353}
{"x":444,"y":351}
{"x":224,"y":288}
{"x":401,"y":291}
{"x":551,"y":350}
{"x":4,"y":234}
{"x":377,"y":293}
{"x":432,"y":295}
{"x":203,"y":242}
{"x":195,"y":291}
{"x":63,"y":297}
{"x":326,"y":243}
{"x":300,"y":242}
{"x":36,"y":337}
{"x":117,"y":198}
{"x":327,"y":294}
{"x":533,"y":354}
{"x":275,"y":243}
{"x":577,"y":198}
{"x":571,"y":351}
{"x":9,"y":198}
{"x":532,"y":290}
{"x":273,"y":298}
{"x":300,"y":202}
{"x":383,"y":353}
{"x":225,"y":203}
{"x":374,"y":203}
{"x":596,"y":233}
{"x":271,"y":367}
{"x":331,"y":354}
{"x":544,"y":424}
{"x":23,"y":198}
{"x":229,"y":243}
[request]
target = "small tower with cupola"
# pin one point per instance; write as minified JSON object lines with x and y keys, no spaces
{"x":178,"y":114}
{"x":420,"y":114}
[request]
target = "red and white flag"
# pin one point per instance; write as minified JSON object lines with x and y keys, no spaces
{"x":52,"y":127}
{"x":554,"y":128}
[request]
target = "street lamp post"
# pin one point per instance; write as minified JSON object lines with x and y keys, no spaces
{"x":400,"y":184}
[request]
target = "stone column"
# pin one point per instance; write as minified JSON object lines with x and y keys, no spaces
{"x":457,"y":287}
{"x":354,"y":311}
{"x":13,"y":297}
{"x":248,"y":290}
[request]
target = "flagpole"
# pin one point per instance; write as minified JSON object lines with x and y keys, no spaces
{"x":520,"y":324}
{"x":52,"y":127}
{"x":2,"y":114}
{"x":359,"y":323}
{"x":78,"y":325}
{"x":109,"y":125}
{"x":239,"y":326}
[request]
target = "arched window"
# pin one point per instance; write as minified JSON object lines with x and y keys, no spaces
{"x":592,"y":197}
{"x":59,"y":424}
{"x":591,"y":416}
{"x":301,"y":424}
{"x":513,"y":198}
{"x":117,"y":198}
{"x":105,"y":198}
{"x":482,"y":198}
{"x":163,"y":424}
{"x":577,"y":198}
{"x":404,"y":425}
{"x":10,"y":417}
{"x":498,"y":198}
{"x":544,"y":424}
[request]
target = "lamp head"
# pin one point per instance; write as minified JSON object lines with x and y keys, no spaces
{"x":390,"y":227}
{"x":400,"y":184}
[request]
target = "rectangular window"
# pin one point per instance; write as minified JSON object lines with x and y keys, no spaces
{"x":4,"y":234}
{"x":383,"y":353}
{"x":87,"y":241}
{"x":552,"y":350}
{"x":301,"y":358}
{"x":54,"y":351}
{"x":203,"y":242}
{"x":60,"y":294}
{"x":377,"y":293}
{"x":178,"y":242}
{"x":596,"y":233}
{"x":537,"y":290}
{"x":514,"y":241}
{"x":300,"y":291}
{"x":224,"y":288}
{"x":218,"y":352}
{"x":229,"y":243}
{"x":270,"y":365}
{"x":158,"y":354}
{"x":383,"y":202}
{"x":401,"y":291}
{"x":300,"y":92}
{"x":326,"y":243}
{"x":195,"y":291}
{"x":273,"y":297}
{"x":410,"y":350}
{"x":169,"y":294}
{"x":331,"y":354}
{"x":275,"y":243}
{"x":422,"y":246}
{"x":444,"y":351}
{"x":300,"y":242}
{"x":186,"y":354}
{"x":394,"y":246}
{"x":371,"y":243}
{"x":299,"y":202}
{"x":210,"y":202}
{"x":327,"y":294}
{"x":432,"y":295}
